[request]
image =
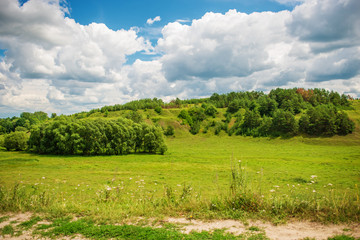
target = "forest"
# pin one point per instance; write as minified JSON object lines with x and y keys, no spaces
{"x":281,"y":112}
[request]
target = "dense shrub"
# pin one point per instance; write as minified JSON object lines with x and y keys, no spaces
{"x":94,"y":137}
{"x":16,"y":141}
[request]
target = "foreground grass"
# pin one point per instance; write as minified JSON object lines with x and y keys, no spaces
{"x":200,"y":177}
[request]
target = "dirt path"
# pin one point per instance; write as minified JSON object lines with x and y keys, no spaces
{"x":289,"y":231}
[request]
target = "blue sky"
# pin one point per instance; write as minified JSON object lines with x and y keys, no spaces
{"x":70,"y":56}
{"x":126,"y":14}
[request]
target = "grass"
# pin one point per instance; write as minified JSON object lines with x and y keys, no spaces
{"x":202,"y":176}
{"x":30,"y":223}
{"x":193,"y":178}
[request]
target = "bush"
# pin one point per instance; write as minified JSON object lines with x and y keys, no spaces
{"x":16,"y":141}
{"x":170,"y":131}
{"x":158,"y":109}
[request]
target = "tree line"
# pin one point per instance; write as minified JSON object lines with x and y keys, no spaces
{"x":258,"y":114}
{"x":88,"y":137}
{"x":96,"y":137}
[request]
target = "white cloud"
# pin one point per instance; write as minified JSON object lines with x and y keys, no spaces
{"x":42,"y":43}
{"x":54,"y":64}
{"x":151,"y":21}
{"x":224,"y":45}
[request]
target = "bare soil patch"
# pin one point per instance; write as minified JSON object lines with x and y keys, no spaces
{"x":291,"y":231}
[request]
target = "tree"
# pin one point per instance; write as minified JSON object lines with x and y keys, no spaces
{"x":170,"y":131}
{"x":16,"y":141}
{"x":265,"y":128}
{"x":251,"y":122}
{"x":210,"y":110}
{"x":283,"y":122}
{"x":158,"y":109}
{"x":234,"y":106}
{"x":344,"y":124}
{"x":267,"y":106}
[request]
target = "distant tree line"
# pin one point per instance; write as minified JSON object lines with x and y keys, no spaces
{"x":257,"y":114}
{"x":282,"y":112}
{"x":22,"y":123}
{"x":96,"y":137}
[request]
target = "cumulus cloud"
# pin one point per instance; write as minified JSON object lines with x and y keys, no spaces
{"x":300,"y":48}
{"x":151,"y":21}
{"x":221,"y":45}
{"x":52,"y":63}
{"x":42,"y":43}
{"x":327,"y":21}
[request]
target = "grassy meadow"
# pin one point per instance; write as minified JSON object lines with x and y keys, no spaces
{"x":202,"y":176}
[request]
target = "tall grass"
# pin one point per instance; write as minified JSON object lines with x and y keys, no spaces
{"x":244,"y":198}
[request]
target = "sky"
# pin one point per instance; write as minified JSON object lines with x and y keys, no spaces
{"x":70,"y":56}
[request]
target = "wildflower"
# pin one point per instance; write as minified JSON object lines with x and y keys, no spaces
{"x":312,"y":181}
{"x":330,"y":184}
{"x":108,"y":188}
{"x":130,"y":178}
{"x":276,"y":186}
{"x":314,"y":190}
{"x":43,"y":177}
{"x":239,"y":161}
{"x":313,"y":176}
{"x":272,"y":190}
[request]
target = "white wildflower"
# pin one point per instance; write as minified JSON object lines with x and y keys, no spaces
{"x":313,"y":176}
{"x":272,"y":190}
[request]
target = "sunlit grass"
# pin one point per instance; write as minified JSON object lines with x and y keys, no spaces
{"x":315,"y":178}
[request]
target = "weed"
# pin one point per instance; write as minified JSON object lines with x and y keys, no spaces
{"x":4,"y":218}
{"x":342,"y":237}
{"x":7,"y":230}
{"x":28,"y":224}
{"x":89,"y":230}
{"x":254,"y":228}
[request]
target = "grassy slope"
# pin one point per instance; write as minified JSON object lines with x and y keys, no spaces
{"x":203,"y":161}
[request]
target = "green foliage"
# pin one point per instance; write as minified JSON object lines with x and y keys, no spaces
{"x":252,"y":120}
{"x":325,"y":120}
{"x":186,"y":117}
{"x":96,"y":137}
{"x":210,"y":109}
{"x":195,"y":128}
{"x":7,"y":230}
{"x":20,"y":129}
{"x":30,"y":223}
{"x":283,"y":122}
{"x":342,"y":237}
{"x":158,"y":109}
{"x":16,"y":141}
{"x":169,"y":131}
{"x":90,"y":230}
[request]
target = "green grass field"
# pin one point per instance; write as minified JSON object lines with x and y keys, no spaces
{"x":202,"y":176}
